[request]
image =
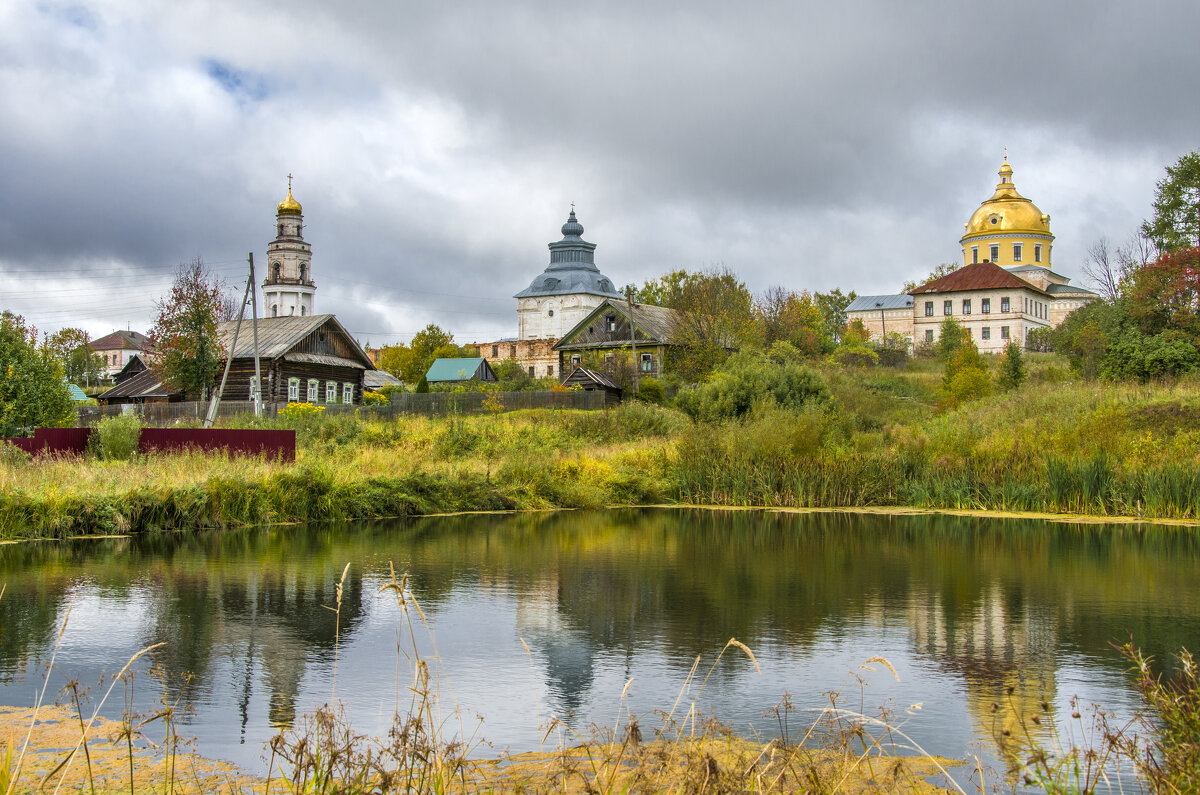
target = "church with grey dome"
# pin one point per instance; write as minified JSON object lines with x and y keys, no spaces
{"x":564,"y":293}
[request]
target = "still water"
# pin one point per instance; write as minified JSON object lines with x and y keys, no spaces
{"x":535,"y":616}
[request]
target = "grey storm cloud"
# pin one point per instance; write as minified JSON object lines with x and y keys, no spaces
{"x":436,"y":146}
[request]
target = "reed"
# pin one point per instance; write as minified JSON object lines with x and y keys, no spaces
{"x":1130,"y":450}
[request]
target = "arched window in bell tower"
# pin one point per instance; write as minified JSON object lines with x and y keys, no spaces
{"x":281,"y":230}
{"x":303,"y":270}
{"x":275,"y":271}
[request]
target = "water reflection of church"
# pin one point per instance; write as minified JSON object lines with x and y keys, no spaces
{"x":273,"y":621}
{"x":1004,"y":652}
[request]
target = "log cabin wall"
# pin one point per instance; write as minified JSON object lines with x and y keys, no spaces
{"x":275,"y":375}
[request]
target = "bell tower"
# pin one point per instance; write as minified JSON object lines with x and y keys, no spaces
{"x":288,"y":287}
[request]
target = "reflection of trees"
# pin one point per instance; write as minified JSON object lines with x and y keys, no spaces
{"x":259,"y":595}
{"x":987,"y":599}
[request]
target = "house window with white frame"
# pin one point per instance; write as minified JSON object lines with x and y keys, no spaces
{"x":929,"y":335}
{"x":331,"y":392}
{"x":576,"y":359}
{"x":929,"y":309}
{"x":347,"y":393}
{"x":1004,"y":305}
{"x":293,"y":390}
{"x":985,"y":305}
{"x":995,"y":252}
{"x":1037,"y":252}
{"x":313,"y":385}
{"x":1004,"y":332}
{"x":985,"y":332}
{"x":947,"y":308}
{"x":966,"y":306}
{"x":974,"y":255}
{"x":647,"y":362}
{"x":1017,"y":252}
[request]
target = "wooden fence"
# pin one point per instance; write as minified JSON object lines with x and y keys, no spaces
{"x":432,"y":403}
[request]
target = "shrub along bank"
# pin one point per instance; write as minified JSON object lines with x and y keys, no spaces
{"x":830,"y":436}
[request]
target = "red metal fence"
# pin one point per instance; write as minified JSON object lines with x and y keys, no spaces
{"x":235,"y":441}
{"x":54,"y":440}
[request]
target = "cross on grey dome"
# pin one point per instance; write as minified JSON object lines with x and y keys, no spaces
{"x":572,"y":269}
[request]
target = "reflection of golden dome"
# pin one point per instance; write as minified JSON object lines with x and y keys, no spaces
{"x":1007,"y":211}
{"x":289,"y":206}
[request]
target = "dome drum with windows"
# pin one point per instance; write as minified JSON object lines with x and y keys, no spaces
{"x":1007,"y":229}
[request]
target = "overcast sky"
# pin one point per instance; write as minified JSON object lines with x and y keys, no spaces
{"x":436,"y":146}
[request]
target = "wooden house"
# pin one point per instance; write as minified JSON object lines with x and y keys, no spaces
{"x":302,"y":359}
{"x":456,"y":371}
{"x":132,"y":367}
{"x":142,"y":386}
{"x":614,"y":327}
{"x":593,"y":381}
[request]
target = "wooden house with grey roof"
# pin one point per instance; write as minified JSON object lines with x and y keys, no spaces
{"x":303,"y":358}
{"x":617,"y":326}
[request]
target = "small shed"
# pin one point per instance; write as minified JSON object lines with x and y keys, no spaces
{"x":454,"y":371}
{"x":592,"y":381}
{"x":375,"y":380}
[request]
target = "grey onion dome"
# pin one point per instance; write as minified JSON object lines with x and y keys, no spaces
{"x":572,"y":269}
{"x":572,"y":228}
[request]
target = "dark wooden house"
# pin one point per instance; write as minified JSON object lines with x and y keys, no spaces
{"x":593,"y":381}
{"x":132,"y":367}
{"x":302,"y":359}
{"x":614,"y":327}
{"x":138,"y":387}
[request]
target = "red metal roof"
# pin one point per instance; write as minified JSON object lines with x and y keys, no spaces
{"x":980,"y":276}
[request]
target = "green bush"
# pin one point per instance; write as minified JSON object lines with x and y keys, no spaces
{"x":650,"y":390}
{"x":745,"y":381}
{"x":116,"y":438}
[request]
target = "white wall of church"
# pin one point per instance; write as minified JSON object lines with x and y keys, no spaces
{"x":1026,"y":311}
{"x":552,"y":316}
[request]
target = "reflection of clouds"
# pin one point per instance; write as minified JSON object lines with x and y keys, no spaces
{"x":569,"y":656}
{"x":1005,"y":654}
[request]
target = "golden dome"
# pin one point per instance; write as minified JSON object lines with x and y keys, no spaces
{"x":289,"y":206}
{"x":1007,"y":211}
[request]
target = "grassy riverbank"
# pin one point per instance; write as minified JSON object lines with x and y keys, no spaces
{"x":1051,"y":446}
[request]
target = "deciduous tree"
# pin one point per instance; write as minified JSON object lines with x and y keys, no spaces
{"x":945,"y":269}
{"x":832,"y":306}
{"x":787,"y":316}
{"x":187,"y":351}
{"x":69,"y":347}
{"x":32,"y":392}
{"x":1165,"y":295}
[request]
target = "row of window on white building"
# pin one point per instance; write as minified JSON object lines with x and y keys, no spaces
{"x":985,"y":333}
{"x":1035,"y":308}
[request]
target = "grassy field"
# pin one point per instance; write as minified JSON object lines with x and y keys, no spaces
{"x":1054,"y":445}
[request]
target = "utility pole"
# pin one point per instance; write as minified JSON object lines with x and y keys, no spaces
{"x":258,"y":406}
{"x":632,"y":340}
{"x":216,"y":398}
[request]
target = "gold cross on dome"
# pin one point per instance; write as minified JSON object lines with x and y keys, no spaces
{"x":289,"y":183}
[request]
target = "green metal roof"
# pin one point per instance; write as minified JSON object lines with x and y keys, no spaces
{"x":453,"y":369}
{"x":77,"y":394}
